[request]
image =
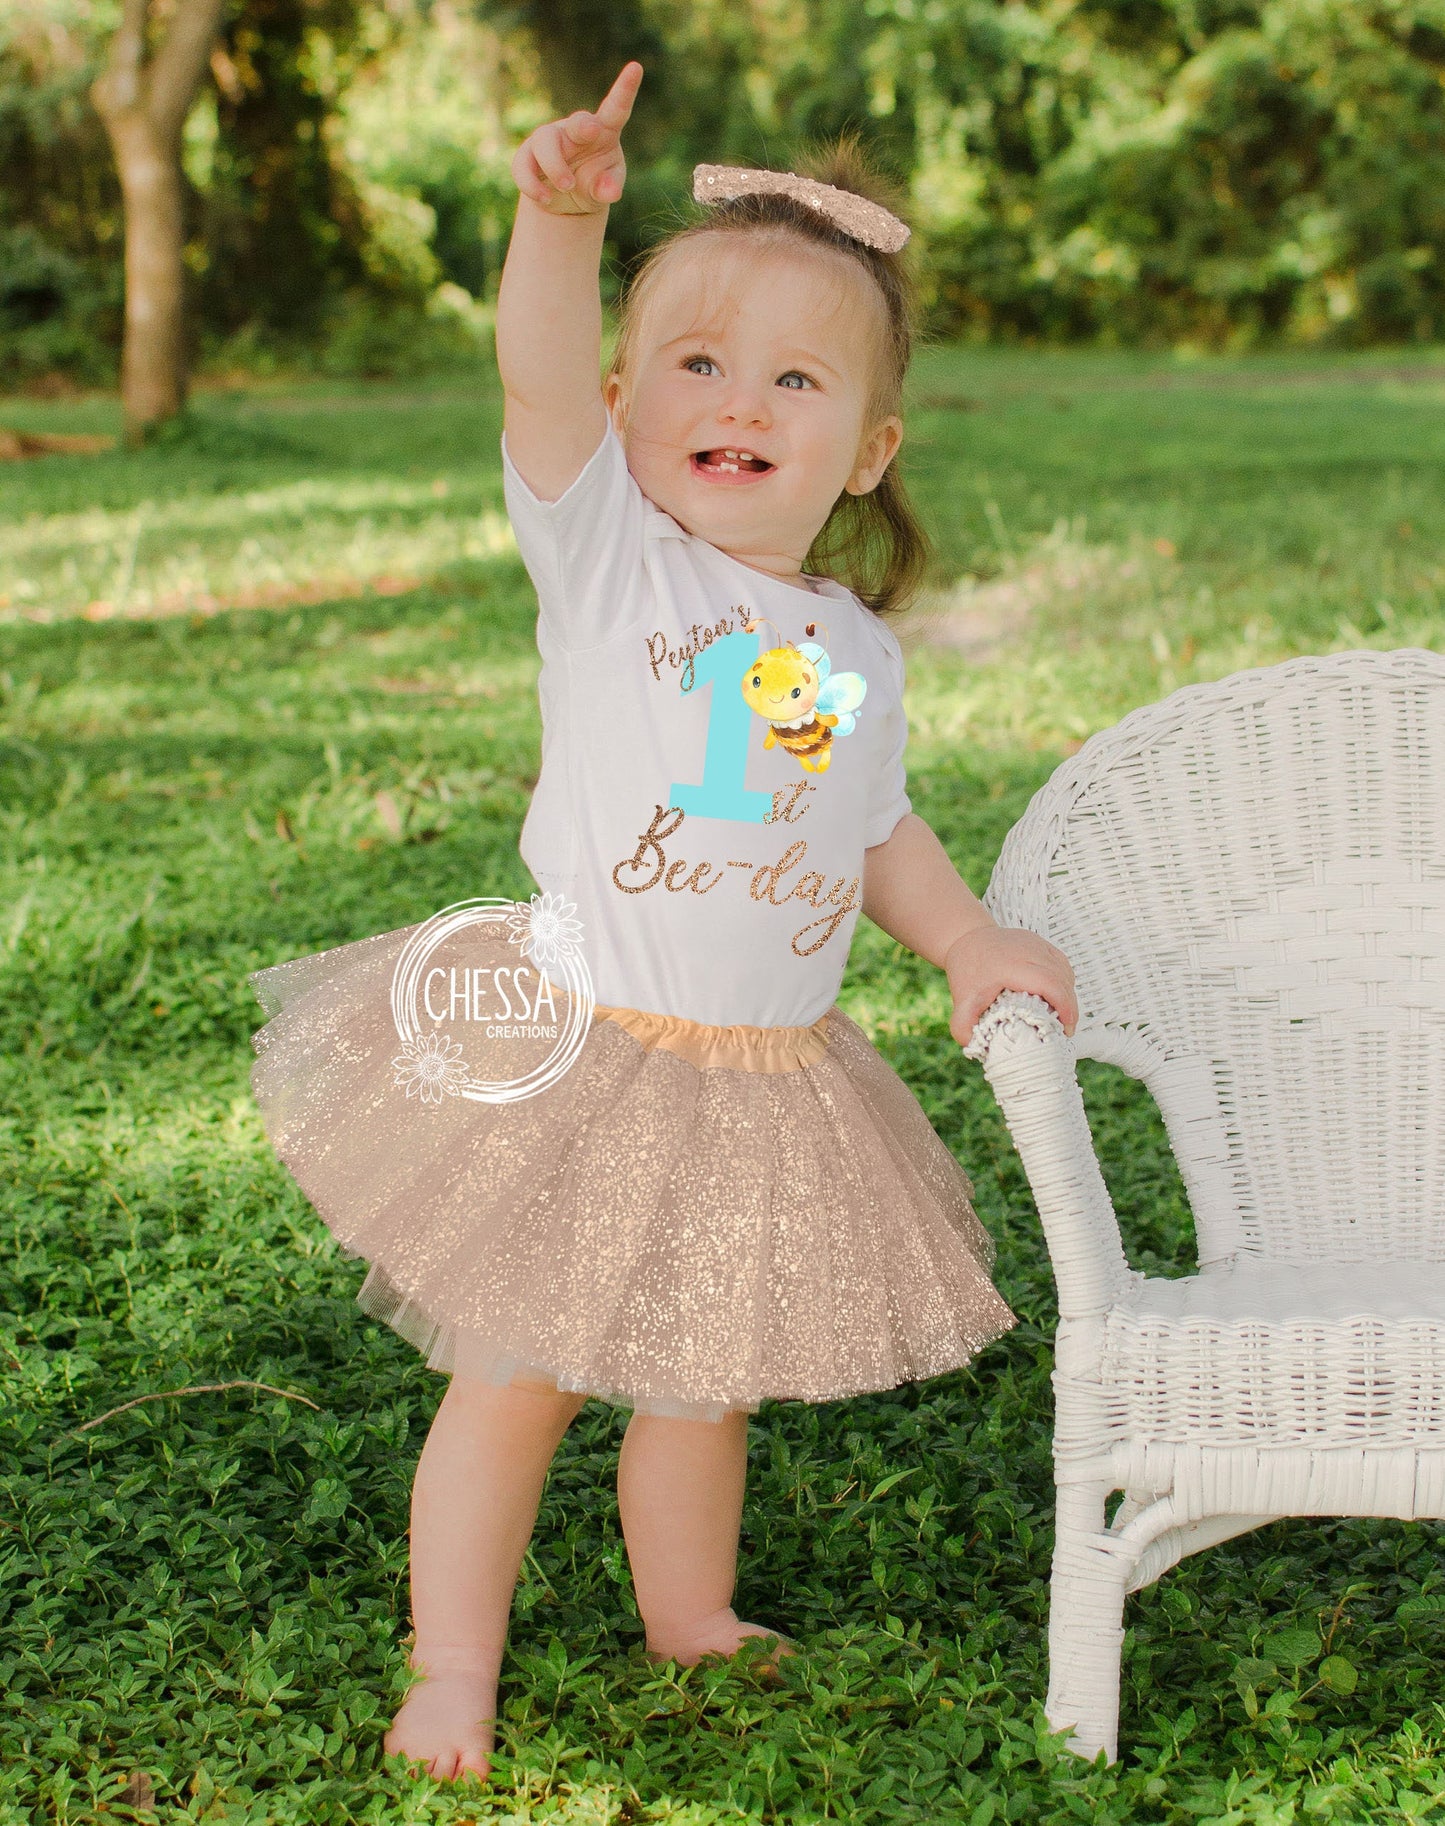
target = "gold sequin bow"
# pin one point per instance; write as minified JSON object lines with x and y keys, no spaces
{"x":865,"y":221}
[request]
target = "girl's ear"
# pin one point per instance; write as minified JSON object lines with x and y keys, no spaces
{"x":875,"y":454}
{"x":615,"y":401}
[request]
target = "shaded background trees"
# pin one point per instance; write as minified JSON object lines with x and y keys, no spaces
{"x":279,"y":218}
{"x":1215,"y":172}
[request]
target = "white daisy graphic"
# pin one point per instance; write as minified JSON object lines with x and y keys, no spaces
{"x":431,"y":1068}
{"x":546,"y":931}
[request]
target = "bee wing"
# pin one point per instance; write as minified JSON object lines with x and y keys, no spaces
{"x":846,"y":724}
{"x":811,"y":651}
{"x":843,"y":693}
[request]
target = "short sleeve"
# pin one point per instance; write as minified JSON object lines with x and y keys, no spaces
{"x":582,"y":551}
{"x":888,"y":799}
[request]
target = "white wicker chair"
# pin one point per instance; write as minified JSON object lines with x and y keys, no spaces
{"x":1249,"y":879}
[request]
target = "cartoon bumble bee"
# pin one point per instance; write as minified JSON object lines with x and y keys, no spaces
{"x":804,"y":708}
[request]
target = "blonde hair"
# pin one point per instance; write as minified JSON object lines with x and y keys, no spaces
{"x":874,"y":543}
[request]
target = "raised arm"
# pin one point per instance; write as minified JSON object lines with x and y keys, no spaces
{"x":549,"y":311}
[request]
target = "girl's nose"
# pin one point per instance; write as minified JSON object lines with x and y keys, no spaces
{"x":746,"y":405}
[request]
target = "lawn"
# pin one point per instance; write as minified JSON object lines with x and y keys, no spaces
{"x":270,"y":687}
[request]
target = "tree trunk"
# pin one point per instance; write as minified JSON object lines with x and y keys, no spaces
{"x":144,"y":104}
{"x":153,"y":354}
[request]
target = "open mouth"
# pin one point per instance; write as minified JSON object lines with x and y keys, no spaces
{"x":729,"y":465}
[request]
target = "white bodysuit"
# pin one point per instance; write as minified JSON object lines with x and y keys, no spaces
{"x":714,"y":878}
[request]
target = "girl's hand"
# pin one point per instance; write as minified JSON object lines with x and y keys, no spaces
{"x":575,"y":167}
{"x":990,"y":959}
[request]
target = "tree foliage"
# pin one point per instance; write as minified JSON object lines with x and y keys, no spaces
{"x":281,"y":226}
{"x":1208,"y":172}
{"x":60,"y":230}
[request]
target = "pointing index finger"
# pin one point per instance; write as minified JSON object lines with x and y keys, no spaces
{"x":615,"y":107}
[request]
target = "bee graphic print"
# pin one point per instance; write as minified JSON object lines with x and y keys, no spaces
{"x":805,"y":708}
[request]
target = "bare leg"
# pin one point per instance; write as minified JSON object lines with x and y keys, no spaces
{"x":473,"y":1507}
{"x":680,"y":1495}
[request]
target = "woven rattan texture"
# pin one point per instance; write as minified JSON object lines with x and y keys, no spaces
{"x":1249,"y":879}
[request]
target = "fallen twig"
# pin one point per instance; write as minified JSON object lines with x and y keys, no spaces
{"x":200,"y":1388}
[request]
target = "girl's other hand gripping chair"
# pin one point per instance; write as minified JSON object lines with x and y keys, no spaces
{"x":1249,"y":879}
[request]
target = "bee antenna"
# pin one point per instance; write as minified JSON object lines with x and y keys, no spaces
{"x":752,"y":625}
{"x":812,"y":629}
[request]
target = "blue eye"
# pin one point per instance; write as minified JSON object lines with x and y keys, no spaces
{"x":696,"y":358}
{"x":793,"y":374}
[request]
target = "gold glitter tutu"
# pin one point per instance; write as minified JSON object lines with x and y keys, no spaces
{"x":689,"y":1219}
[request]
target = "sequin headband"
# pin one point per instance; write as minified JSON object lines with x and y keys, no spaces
{"x":865,"y":221}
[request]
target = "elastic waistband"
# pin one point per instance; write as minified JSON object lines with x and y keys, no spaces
{"x":738,"y":1046}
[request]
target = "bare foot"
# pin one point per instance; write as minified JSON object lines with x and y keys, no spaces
{"x":719,"y":1635}
{"x":448,"y":1719}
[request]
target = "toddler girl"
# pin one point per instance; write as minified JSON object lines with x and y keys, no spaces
{"x":729,"y":1195}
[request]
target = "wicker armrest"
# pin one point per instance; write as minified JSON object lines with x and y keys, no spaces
{"x":1029,"y":1063}
{"x":1016,"y":1014}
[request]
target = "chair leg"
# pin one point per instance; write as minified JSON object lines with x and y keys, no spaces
{"x":1086,"y":1609}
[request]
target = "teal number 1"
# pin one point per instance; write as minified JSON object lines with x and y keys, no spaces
{"x":729,"y":725}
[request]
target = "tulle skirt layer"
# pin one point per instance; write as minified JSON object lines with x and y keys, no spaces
{"x":689,"y":1219}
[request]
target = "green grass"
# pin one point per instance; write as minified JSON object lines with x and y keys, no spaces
{"x":205,"y":1597}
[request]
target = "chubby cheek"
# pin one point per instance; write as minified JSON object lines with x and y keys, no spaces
{"x":834,"y":451}
{"x":664,"y":410}
{"x":652,"y":448}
